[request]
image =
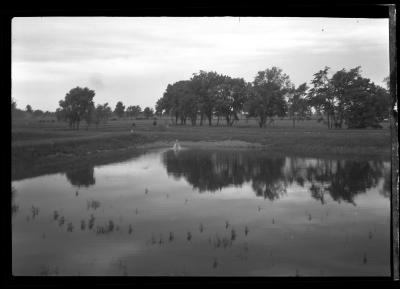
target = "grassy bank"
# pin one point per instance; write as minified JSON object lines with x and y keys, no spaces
{"x":44,"y":148}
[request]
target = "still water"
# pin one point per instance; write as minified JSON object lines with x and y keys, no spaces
{"x":205,"y":212}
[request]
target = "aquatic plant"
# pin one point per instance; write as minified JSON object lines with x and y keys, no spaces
{"x":55,"y":215}
{"x":61,"y":221}
{"x":70,"y":227}
{"x":130,"y":229}
{"x":110,"y":226}
{"x":370,"y":235}
{"x":91,"y":222}
{"x":365,"y":260}
{"x":226,"y":242}
{"x":35,"y":211}
{"x":83,"y":225}
{"x":246,"y":230}
{"x":153,"y":240}
{"x":171,"y":236}
{"x":189,"y":236}
{"x":201,"y":227}
{"x":215,"y":263}
{"x":146,"y":191}
{"x":233,"y":235}
{"x":226,"y":224}
{"x":136,"y":211}
{"x":92,"y":204}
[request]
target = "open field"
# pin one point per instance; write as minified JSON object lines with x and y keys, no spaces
{"x":39,"y":147}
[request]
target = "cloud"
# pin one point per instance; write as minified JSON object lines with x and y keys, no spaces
{"x":107,"y":50}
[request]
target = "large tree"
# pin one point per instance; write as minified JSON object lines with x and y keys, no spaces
{"x":267,"y":96}
{"x":148,"y":112}
{"x":76,"y":105}
{"x":230,"y":97}
{"x":119,"y":109}
{"x":203,"y":85}
{"x":297,"y":104}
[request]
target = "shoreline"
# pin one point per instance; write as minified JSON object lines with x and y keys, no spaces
{"x":32,"y":160}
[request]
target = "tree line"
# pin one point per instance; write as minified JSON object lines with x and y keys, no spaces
{"x":345,"y":98}
{"x":78,"y":105}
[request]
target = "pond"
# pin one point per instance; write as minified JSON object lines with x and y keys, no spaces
{"x":205,"y":213}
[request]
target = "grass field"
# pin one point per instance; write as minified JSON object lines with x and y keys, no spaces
{"x":39,"y":147}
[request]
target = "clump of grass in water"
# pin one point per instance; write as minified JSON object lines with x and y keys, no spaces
{"x":370,"y":235}
{"x":309,"y":217}
{"x":186,"y":201}
{"x":233,"y":235}
{"x":136,"y":211}
{"x":160,"y":241}
{"x":35,"y":211}
{"x":61,"y":221}
{"x":76,"y":193}
{"x":365,"y":260}
{"x":70,"y":227}
{"x":83,"y":225}
{"x":92,"y":204}
{"x":110,"y":226}
{"x":201,"y":227}
{"x":273,"y":220}
{"x":153,"y":240}
{"x":215,"y":263}
{"x":259,"y":208}
{"x":91,"y":222}
{"x":246,"y":230}
{"x":55,"y":215}
{"x":130,"y":230}
{"x":146,"y":191}
{"x":189,"y":236}
{"x":226,"y":242}
{"x":226,"y":224}
{"x":171,"y":236}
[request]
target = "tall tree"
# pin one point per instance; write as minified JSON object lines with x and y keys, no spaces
{"x":321,"y":96}
{"x":203,"y":85}
{"x":267,"y":96}
{"x":28,"y":109}
{"x":297,"y":104}
{"x":148,"y":112}
{"x":77,"y":104}
{"x":119,"y":109}
{"x":230,"y":97}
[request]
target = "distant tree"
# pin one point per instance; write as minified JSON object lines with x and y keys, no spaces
{"x":38,"y":113}
{"x":28,"y":109}
{"x":133,"y":111}
{"x":101,"y":114}
{"x":148,"y":112}
{"x":230,"y":97}
{"x":321,"y":96}
{"x":13,"y":104}
{"x":119,"y":109}
{"x":77,"y":104}
{"x":267,"y":95}
{"x":60,"y":115}
{"x":203,"y":85}
{"x":297,"y":104}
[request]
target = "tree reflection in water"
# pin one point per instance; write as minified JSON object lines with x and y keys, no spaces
{"x":270,"y":176}
{"x":81,"y":176}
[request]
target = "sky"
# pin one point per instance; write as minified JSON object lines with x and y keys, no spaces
{"x":133,"y":59}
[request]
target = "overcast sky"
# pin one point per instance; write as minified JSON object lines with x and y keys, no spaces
{"x":134,"y":59}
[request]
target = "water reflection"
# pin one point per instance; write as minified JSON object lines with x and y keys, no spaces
{"x":82,"y":176}
{"x":270,"y":176}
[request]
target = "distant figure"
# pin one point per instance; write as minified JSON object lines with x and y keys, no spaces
{"x":133,"y":125}
{"x":176,"y":146}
